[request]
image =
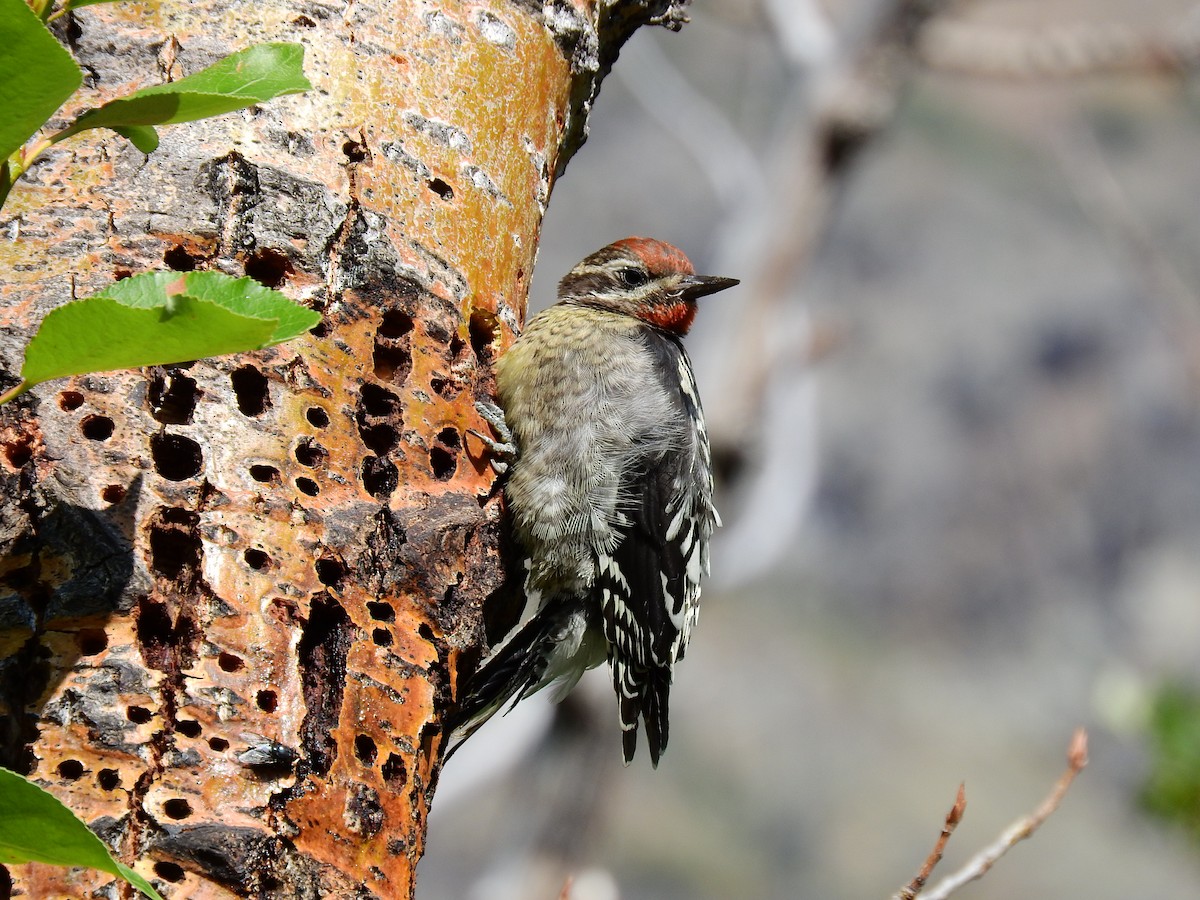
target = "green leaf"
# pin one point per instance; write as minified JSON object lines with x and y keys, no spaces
{"x":250,"y":76}
{"x":247,"y":296}
{"x":36,"y":827}
{"x":75,"y":4}
{"x":144,"y":137}
{"x":36,"y":75}
{"x":99,"y":334}
{"x":160,"y":318}
{"x":241,"y":295}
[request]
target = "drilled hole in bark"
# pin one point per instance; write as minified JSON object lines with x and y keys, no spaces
{"x":443,"y":387}
{"x":267,"y":701}
{"x":483,"y":328}
{"x":378,"y":401}
{"x":429,"y":731}
{"x":138,"y":715}
{"x":70,"y":769}
{"x":180,"y":260}
{"x":441,"y":188}
{"x":269,"y":267}
{"x":19,"y":452}
{"x":425,"y":631}
{"x":229,"y":662}
{"x":320,"y":330}
{"x":172,"y":397}
{"x":307,"y":486}
{"x":265,"y":474}
{"x":96,"y":428}
{"x":177,"y":808}
{"x":380,"y":439}
{"x":220,"y":745}
{"x":392,"y":363}
{"x":443,"y":463}
{"x":250,"y":388}
{"x":380,"y":611}
{"x":169,"y":871}
{"x":317,"y":417}
{"x":188,"y":728}
{"x":382,"y":637}
{"x":91,"y":641}
{"x":154,"y":634}
{"x":322,"y":651}
{"x":395,"y":324}
{"x":393,"y":772}
{"x":310,"y":453}
{"x":121,"y":274}
{"x":112,"y":493}
{"x":70,"y":400}
{"x":176,"y":458}
{"x":256,"y":559}
{"x":108,"y":779}
{"x":379,"y":476}
{"x":365,"y":749}
{"x":175,"y":545}
{"x":355,"y":152}
{"x":330,"y":571}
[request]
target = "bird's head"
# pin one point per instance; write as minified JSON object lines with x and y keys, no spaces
{"x":644,"y":278}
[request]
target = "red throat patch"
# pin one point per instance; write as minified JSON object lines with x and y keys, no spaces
{"x":675,"y":316}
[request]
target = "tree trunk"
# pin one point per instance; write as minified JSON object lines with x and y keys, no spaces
{"x":236,"y":595}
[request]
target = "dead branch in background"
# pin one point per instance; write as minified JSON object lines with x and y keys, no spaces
{"x":1024,"y":827}
{"x":1081,"y":49}
{"x":842,"y":102}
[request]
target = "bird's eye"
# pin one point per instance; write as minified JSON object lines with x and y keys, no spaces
{"x":633,"y":277}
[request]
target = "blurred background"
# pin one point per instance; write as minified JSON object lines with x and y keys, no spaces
{"x":956,"y":407}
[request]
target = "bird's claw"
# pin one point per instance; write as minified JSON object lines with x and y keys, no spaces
{"x":504,"y":450}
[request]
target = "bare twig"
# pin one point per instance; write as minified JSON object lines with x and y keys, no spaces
{"x":978,"y":866}
{"x":914,"y":887}
{"x":1067,"y":51}
{"x":836,"y":111}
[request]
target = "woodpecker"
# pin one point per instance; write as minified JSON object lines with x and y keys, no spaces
{"x":609,"y":485}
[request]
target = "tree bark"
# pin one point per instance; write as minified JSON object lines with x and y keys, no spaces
{"x":236,"y":595}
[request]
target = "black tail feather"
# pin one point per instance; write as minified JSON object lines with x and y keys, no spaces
{"x":629,"y":727}
{"x":510,"y":673}
{"x":648,"y":700}
{"x":655,"y":712}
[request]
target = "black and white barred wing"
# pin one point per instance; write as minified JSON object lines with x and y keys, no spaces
{"x":649,"y":586}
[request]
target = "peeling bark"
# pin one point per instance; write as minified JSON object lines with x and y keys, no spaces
{"x":235,"y":595}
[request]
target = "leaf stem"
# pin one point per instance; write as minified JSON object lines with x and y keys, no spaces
{"x":6,"y":181}
{"x":14,"y":392}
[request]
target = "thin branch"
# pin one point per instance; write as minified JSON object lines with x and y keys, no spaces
{"x":953,"y":817}
{"x":839,"y":108}
{"x":1067,"y":51}
{"x":1024,"y":827}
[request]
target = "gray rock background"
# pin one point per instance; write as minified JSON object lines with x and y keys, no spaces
{"x":969,"y":525}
